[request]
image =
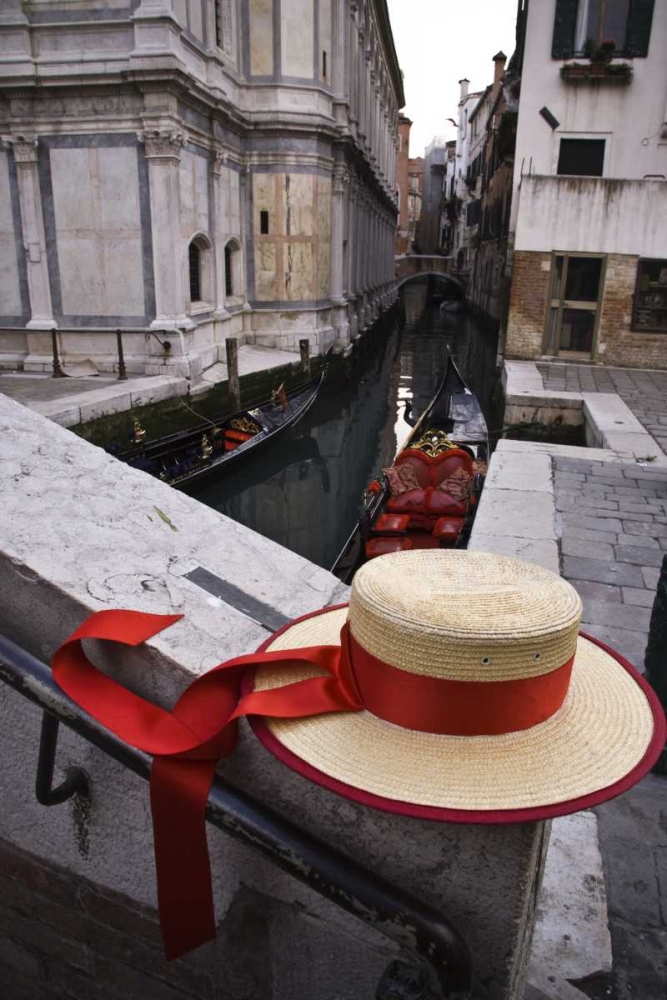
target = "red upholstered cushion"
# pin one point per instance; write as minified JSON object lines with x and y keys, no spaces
{"x":449,"y":462}
{"x":439,"y":503}
{"x":401,"y":479}
{"x":448,"y":529}
{"x":418,"y":461}
{"x":413,"y":500}
{"x":381,"y":546}
{"x":424,"y":541}
{"x":391,"y":523}
{"x":239,"y":436}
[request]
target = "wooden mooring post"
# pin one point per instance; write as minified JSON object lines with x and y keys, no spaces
{"x":57,"y":369}
{"x":122,"y":371}
{"x":232,"y":348}
{"x":304,"y":348}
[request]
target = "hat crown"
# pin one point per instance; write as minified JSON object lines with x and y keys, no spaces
{"x":468,"y":616}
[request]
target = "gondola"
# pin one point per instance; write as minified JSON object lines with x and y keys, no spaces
{"x":187,"y":459}
{"x":429,"y":496}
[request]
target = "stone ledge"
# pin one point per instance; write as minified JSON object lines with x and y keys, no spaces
{"x":83,"y":532}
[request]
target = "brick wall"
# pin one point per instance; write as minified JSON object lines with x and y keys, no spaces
{"x":528,"y":299}
{"x":616,"y":345}
{"x":61,"y":938}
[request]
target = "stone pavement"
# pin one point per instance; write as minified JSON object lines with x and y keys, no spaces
{"x":613,"y":537}
{"x":77,"y":400}
{"x":645,"y":392}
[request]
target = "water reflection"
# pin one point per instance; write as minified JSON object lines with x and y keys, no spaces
{"x":305,"y":492}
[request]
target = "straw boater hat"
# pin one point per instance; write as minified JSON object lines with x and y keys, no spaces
{"x":455,"y":686}
{"x":483,"y":701}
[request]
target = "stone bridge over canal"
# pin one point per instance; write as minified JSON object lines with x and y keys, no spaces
{"x":411,"y":266}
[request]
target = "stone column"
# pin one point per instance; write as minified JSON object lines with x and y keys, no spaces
{"x":163,"y":153}
{"x":219,"y":213}
{"x":25,"y":150}
{"x":339,"y":304}
{"x":339,"y":71}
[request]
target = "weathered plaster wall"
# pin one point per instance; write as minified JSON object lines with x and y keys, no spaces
{"x":292,"y":260}
{"x":194,"y":192}
{"x":624,"y":116}
{"x":98,"y":230}
{"x":261,"y":37}
{"x":593,"y":214}
{"x":10,"y":292}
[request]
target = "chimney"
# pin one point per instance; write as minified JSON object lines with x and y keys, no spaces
{"x":463,"y":84}
{"x":499,"y":69}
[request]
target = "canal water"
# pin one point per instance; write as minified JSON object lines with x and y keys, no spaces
{"x":305,"y":492}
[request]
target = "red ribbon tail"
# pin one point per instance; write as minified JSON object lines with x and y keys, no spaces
{"x":179,"y":793}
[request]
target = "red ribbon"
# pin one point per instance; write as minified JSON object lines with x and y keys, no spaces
{"x":187,"y":743}
{"x":456,"y":708}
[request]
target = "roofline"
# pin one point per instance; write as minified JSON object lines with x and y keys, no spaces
{"x":478,"y":106}
{"x":387,"y":39}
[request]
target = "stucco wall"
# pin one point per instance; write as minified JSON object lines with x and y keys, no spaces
{"x":627,"y":117}
{"x":592,"y":214}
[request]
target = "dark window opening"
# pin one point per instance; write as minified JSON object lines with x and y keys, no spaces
{"x":194,"y":261}
{"x":581,"y":157}
{"x":218,"y":24}
{"x":650,"y":306}
{"x":324,"y":65}
{"x":264,"y":222}
{"x":601,"y":21}
{"x":229,"y":289}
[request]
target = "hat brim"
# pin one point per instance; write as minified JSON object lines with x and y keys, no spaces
{"x":606,"y":736}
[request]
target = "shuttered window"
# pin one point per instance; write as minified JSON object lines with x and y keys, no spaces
{"x":627,"y":22}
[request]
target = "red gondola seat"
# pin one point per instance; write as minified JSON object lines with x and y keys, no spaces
{"x":391,"y":524}
{"x":386,"y":543}
{"x":429,"y":503}
{"x":447,"y":529}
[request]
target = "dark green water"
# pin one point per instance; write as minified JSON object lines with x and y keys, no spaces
{"x":305,"y":492}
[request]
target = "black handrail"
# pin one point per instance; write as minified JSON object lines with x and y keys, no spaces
{"x":387,"y":909}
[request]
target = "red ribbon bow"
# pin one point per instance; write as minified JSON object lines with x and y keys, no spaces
{"x":187,"y":744}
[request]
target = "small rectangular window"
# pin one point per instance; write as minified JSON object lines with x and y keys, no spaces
{"x":581,"y":157}
{"x":324,"y":65}
{"x":264,"y":223}
{"x":650,"y":306}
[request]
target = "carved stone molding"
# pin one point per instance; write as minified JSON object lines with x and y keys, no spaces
{"x":161,"y":142}
{"x":220,"y":157}
{"x":25,"y":147}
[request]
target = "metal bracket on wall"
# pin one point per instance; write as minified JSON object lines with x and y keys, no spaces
{"x":74,"y":783}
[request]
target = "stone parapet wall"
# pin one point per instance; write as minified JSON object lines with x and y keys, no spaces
{"x":82,"y":532}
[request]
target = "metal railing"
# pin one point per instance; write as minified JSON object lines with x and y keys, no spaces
{"x":445,"y":965}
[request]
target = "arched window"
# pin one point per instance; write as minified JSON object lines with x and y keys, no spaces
{"x":233,"y":270}
{"x":200,"y":270}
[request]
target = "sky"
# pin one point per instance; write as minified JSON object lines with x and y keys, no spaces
{"x":438,"y":42}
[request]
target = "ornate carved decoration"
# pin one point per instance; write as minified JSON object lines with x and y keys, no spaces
{"x":162,"y":142}
{"x":433,"y":443}
{"x":220,"y":157}
{"x":25,"y":147}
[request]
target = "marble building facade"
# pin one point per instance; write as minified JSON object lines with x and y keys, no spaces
{"x":191,"y":170}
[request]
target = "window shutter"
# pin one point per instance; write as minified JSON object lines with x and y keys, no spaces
{"x":639,"y":27}
{"x":564,"y":24}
